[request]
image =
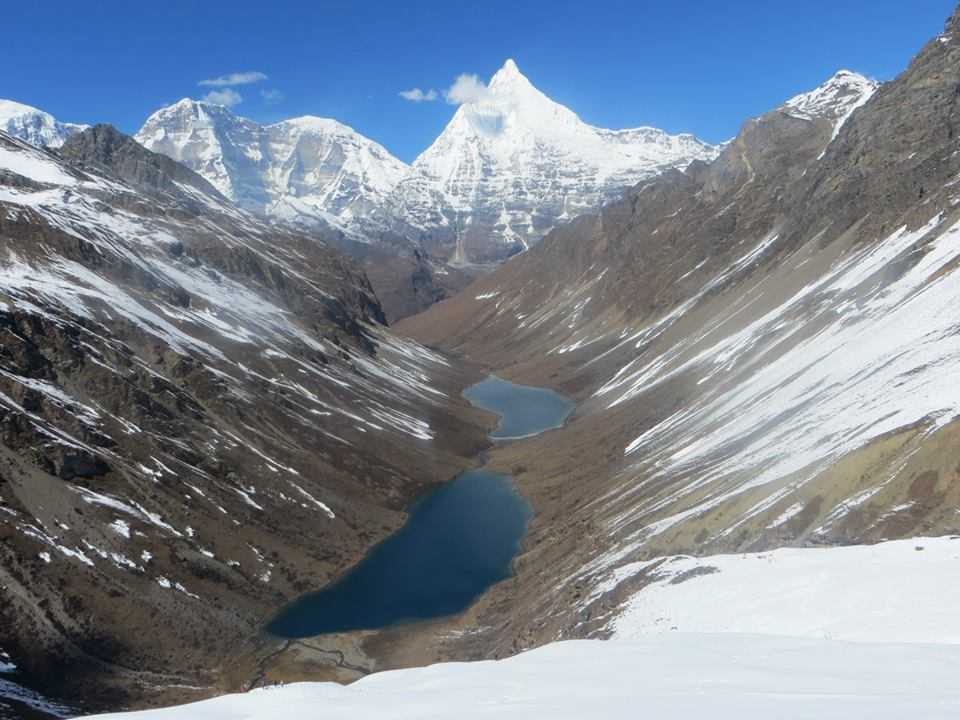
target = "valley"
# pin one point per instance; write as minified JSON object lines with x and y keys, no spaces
{"x":550,"y":421}
{"x":458,"y":541}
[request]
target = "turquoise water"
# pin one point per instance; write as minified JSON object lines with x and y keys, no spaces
{"x":523,"y":410}
{"x":459,"y":540}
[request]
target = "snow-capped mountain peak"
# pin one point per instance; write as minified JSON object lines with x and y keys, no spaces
{"x":304,"y":170}
{"x":35,"y":126}
{"x":835,"y":99}
{"x":512,"y":163}
{"x":508,"y":80}
{"x":508,"y":72}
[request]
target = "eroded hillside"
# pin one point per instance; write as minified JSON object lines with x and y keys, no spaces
{"x":202,"y":417}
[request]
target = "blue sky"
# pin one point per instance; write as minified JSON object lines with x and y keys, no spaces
{"x":700,"y":66}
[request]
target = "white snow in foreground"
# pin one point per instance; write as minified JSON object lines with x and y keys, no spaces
{"x":890,"y":592}
{"x":677,"y":675}
{"x":731,"y":656}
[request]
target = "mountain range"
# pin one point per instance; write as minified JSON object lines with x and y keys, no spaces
{"x":305,"y":171}
{"x":506,"y":169}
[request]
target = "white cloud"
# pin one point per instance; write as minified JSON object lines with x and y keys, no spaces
{"x":466,"y":89}
{"x":227,"y":97}
{"x":418,"y":95}
{"x":242,"y":78}
{"x":272,"y":97}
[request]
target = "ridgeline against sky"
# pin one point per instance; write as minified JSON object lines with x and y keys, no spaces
{"x":678,"y":66}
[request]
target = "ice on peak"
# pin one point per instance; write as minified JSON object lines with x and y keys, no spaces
{"x":311,"y":120}
{"x":835,"y":99}
{"x":509,"y":72}
{"x":509,"y":82}
{"x":190,"y":107}
{"x":308,"y":170}
{"x":844,"y":73}
{"x":11,"y":109}
{"x":314,"y":122}
{"x":35,"y":126}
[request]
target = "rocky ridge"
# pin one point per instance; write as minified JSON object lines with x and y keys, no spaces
{"x":187,"y":402}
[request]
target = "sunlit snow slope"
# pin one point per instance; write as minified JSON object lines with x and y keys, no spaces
{"x":307,"y":171}
{"x":35,"y":126}
{"x":739,"y":636}
{"x":678,"y":676}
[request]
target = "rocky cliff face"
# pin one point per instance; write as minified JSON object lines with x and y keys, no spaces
{"x":201,"y":417}
{"x":764,"y":349}
{"x":513,"y":164}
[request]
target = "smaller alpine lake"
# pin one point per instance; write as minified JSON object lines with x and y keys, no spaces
{"x":524,"y":411}
{"x":459,"y":539}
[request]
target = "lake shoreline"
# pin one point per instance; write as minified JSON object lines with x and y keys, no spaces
{"x":470,"y":528}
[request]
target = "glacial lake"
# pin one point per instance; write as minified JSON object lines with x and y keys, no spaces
{"x":459,"y":539}
{"x":524,"y":410}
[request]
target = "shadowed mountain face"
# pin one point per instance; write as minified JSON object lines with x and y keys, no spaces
{"x":202,"y":417}
{"x":764,"y":349}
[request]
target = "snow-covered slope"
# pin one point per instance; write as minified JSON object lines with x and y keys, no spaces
{"x":893,"y":591}
{"x":846,"y":632}
{"x":677,"y":677}
{"x":35,"y":126}
{"x":836,"y":99}
{"x":305,"y":170}
{"x":512,"y":164}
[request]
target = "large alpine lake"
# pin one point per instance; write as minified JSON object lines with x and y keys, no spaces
{"x":459,"y":540}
